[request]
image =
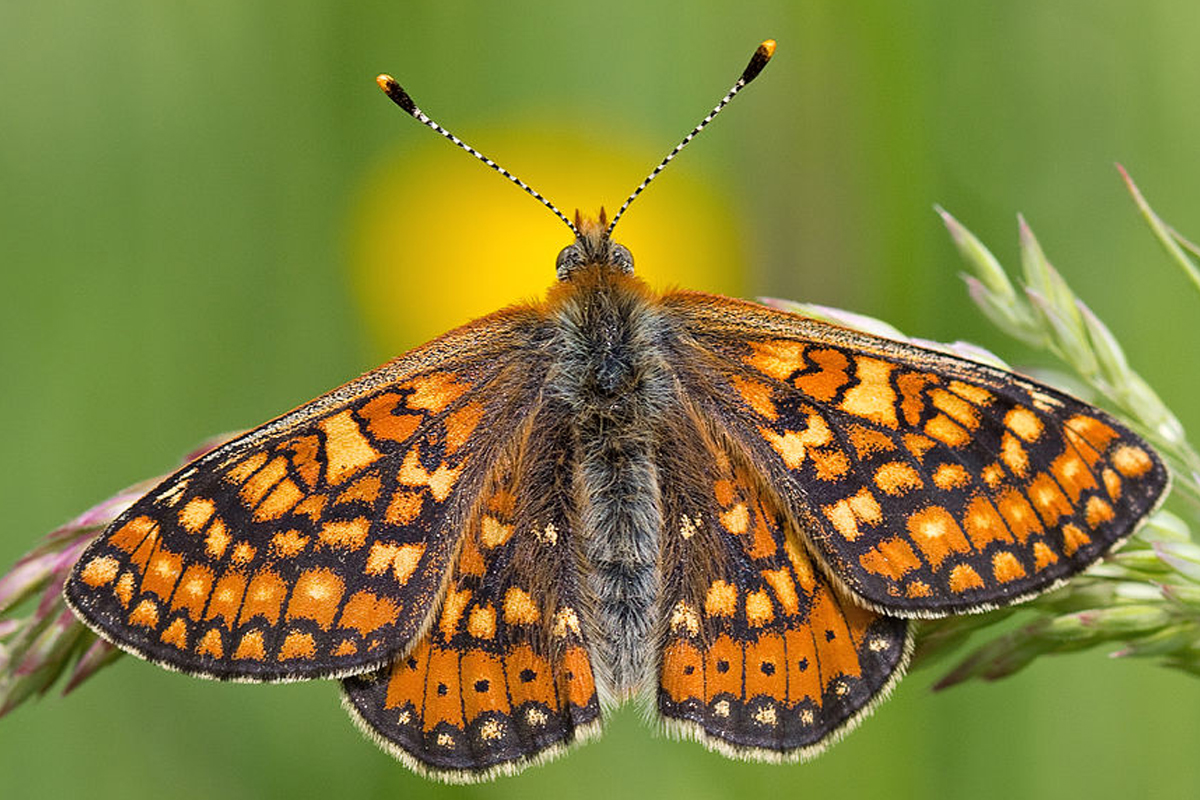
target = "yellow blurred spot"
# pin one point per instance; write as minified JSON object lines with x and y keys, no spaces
{"x":438,"y":239}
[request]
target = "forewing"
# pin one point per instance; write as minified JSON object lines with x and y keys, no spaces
{"x":763,"y":657}
{"x":927,"y":484}
{"x":503,"y":677}
{"x":316,"y":545}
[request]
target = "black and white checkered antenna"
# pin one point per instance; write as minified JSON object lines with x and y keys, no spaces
{"x":757,"y":61}
{"x":401,"y":98}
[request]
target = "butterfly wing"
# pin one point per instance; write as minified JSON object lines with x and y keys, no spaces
{"x":316,"y":545}
{"x":503,"y":677}
{"x":762,"y":657}
{"x":926,"y":484}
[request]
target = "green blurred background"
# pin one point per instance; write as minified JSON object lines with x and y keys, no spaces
{"x":194,"y":198}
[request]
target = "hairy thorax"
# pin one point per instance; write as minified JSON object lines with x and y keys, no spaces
{"x":610,"y":370}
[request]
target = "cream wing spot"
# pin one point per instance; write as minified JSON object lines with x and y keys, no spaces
{"x":688,"y":526}
{"x":766,"y":714}
{"x":759,"y":609}
{"x":947,"y":431}
{"x":494,"y":533}
{"x":951,"y":476}
{"x":846,"y":514}
{"x":453,"y":607}
{"x":976,"y":394}
{"x":785,"y":590}
{"x":243,"y":553}
{"x":1131,"y":461}
{"x":196,"y":514}
{"x":440,"y":482}
{"x":491,"y":730}
{"x":684,"y":619}
{"x":737,"y":519}
{"x":566,"y":622}
{"x":547,"y":535}
{"x":873,"y":397}
{"x":955,"y":407}
{"x":897,"y":478}
{"x":721,"y":600}
{"x":481,"y":623}
{"x":402,"y":559}
{"x":788,"y":445}
{"x":217,"y":540}
{"x":1023,"y":423}
{"x":347,"y":450}
{"x":519,"y":608}
{"x":171,"y":496}
{"x":100,"y":571}
{"x":1013,"y":454}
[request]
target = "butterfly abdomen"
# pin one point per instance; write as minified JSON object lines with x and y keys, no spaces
{"x":609,"y":370}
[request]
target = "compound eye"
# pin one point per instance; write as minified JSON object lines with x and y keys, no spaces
{"x":569,"y":259}
{"x":622,"y":258}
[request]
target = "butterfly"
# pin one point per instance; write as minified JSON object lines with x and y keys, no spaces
{"x":724,"y":508}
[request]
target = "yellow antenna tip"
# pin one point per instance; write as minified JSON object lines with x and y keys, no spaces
{"x":397,"y":93}
{"x":762,"y":54}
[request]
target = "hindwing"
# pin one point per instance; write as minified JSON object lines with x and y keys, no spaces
{"x":763,"y":657}
{"x":503,"y":676}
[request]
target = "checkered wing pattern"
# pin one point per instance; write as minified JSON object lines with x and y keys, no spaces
{"x":316,"y":545}
{"x":926,"y":484}
{"x":502,"y":678}
{"x":763,"y":658}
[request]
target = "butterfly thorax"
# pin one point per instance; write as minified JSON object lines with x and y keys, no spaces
{"x":611,"y":377}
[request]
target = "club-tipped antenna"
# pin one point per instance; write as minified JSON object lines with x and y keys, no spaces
{"x":401,"y":98}
{"x":757,"y":61}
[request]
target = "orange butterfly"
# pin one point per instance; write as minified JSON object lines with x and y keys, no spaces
{"x":612,"y":493}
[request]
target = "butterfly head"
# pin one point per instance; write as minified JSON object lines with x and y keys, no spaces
{"x":593,"y":247}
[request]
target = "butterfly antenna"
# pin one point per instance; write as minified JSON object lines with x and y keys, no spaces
{"x":401,"y":98}
{"x":757,"y":61}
